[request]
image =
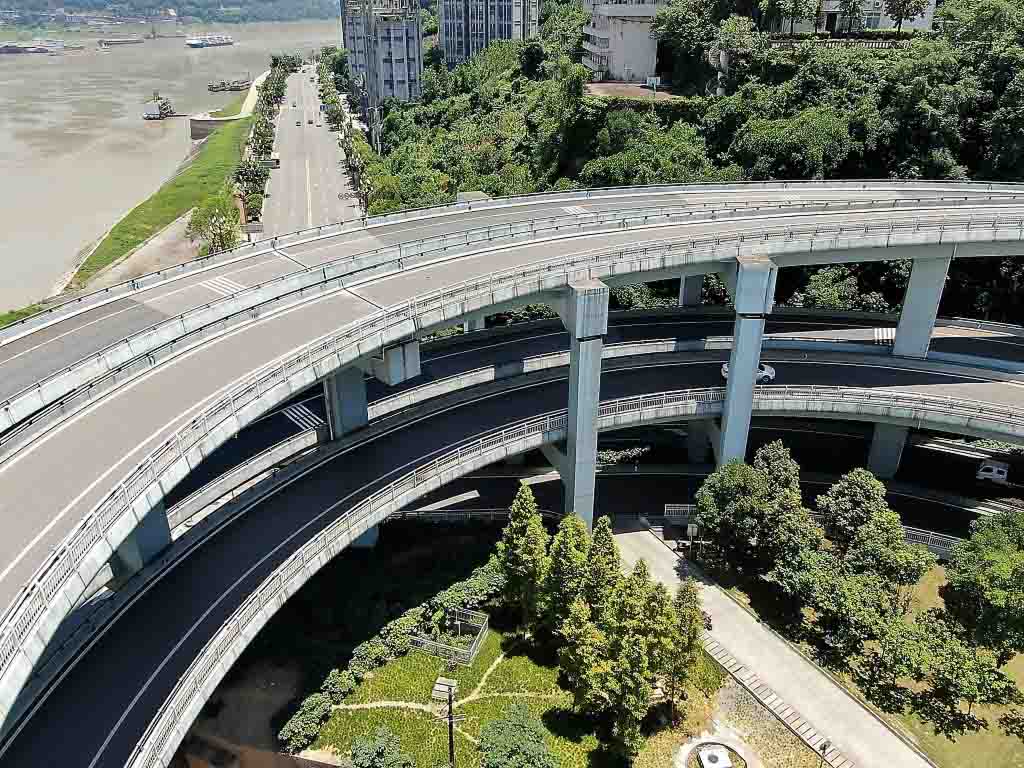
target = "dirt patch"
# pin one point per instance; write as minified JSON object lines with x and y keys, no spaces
{"x":167,"y":248}
{"x":627,"y":91}
{"x":242,"y":709}
{"x":759,"y":728}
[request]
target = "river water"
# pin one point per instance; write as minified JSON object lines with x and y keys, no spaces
{"x":75,"y":154}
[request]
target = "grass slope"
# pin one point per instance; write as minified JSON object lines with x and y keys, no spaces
{"x":214,"y":164}
{"x":233,"y":107}
{"x":521,"y":675}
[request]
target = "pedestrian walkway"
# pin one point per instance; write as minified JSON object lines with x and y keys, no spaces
{"x":772,"y":667}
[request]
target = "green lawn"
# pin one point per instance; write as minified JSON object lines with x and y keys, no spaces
{"x":233,"y":107}
{"x":521,"y":675}
{"x":6,"y":318}
{"x":215,"y":164}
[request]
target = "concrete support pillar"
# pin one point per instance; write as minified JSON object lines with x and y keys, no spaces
{"x":584,"y":311}
{"x":149,"y":538}
{"x":754,"y":299}
{"x":886,"y":449}
{"x":690,"y":290}
{"x":698,"y":441}
{"x":345,"y":395}
{"x":920,"y":307}
{"x":367,"y":539}
{"x":474,"y":324}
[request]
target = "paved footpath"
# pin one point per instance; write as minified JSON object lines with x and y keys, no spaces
{"x":798,"y":685}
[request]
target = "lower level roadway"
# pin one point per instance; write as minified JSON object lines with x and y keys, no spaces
{"x":100,"y":710}
{"x":826,"y":706}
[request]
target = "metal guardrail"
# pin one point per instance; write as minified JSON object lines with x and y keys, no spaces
{"x":129,"y":287}
{"x":155,"y":748}
{"x":464,"y":656}
{"x":940,"y":543}
{"x":54,"y":397}
{"x":225,"y":415}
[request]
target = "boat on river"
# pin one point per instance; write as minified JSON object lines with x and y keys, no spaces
{"x":209,"y":41}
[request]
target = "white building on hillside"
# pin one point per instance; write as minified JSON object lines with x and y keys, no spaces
{"x":618,"y":41}
{"x":469,"y":26}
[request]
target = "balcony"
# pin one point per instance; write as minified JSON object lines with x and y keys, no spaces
{"x":637,"y":10}
{"x":595,"y":63}
{"x":600,"y":50}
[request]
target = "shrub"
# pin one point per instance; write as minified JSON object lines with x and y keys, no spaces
{"x":338,"y":684}
{"x":253,"y":206}
{"x":304,"y":726}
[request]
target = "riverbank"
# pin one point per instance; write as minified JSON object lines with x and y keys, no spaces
{"x":215,"y":164}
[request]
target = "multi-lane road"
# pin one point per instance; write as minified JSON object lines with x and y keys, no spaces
{"x":311,"y":188}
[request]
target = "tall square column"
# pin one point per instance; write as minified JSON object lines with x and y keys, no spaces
{"x":584,"y":311}
{"x":921,"y":306}
{"x":690,"y":289}
{"x":345,"y":396}
{"x":754,"y":298}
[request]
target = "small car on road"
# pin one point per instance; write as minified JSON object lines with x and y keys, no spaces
{"x":298,"y":123}
{"x":765,"y":373}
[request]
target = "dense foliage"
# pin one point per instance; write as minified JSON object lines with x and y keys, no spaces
{"x":517,"y":118}
{"x":856,"y":587}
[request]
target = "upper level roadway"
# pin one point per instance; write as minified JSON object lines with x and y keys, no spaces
{"x":52,"y":484}
{"x":101,"y":709}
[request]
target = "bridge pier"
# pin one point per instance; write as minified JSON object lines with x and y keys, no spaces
{"x":921,"y":306}
{"x":345,"y":390}
{"x":887,"y":445}
{"x":583,"y":308}
{"x":146,"y":541}
{"x":475,"y":324}
{"x":698,"y":441}
{"x":754,"y":297}
{"x":690,"y":289}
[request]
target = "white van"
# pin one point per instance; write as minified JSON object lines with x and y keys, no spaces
{"x":993,"y":472}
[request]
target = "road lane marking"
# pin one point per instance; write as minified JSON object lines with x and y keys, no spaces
{"x":577,"y":209}
{"x":886,"y":336}
{"x":302,"y":417}
{"x":224,"y":286}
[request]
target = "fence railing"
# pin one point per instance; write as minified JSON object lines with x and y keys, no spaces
{"x":54,"y":397}
{"x":262,"y":389}
{"x":196,"y":684}
{"x":111,"y":293}
{"x":465,"y":656}
{"x":940,"y":543}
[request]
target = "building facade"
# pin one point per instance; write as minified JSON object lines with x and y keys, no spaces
{"x":469,"y":26}
{"x":385,"y":45}
{"x":618,"y":41}
{"x":831,"y":19}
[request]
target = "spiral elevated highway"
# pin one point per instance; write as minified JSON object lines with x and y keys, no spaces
{"x":112,"y":399}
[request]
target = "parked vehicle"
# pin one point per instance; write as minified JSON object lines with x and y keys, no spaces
{"x":765,"y":373}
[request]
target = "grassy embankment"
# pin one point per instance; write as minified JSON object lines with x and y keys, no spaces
{"x":233,"y":107}
{"x":214,"y":164}
{"x":504,"y":672}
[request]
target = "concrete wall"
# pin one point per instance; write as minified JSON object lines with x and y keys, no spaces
{"x":199,"y":126}
{"x":632,"y":52}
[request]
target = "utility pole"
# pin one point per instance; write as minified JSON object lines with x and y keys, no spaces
{"x":451,"y":727}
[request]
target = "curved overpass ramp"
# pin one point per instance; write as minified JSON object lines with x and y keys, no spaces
{"x":106,"y":702}
{"x":119,"y":454}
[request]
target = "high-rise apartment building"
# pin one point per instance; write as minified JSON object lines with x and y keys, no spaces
{"x":468,"y":26}
{"x":385,"y":44}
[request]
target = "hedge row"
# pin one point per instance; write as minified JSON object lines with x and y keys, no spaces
{"x":393,"y":640}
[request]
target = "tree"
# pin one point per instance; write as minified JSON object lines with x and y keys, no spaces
{"x":630,"y":606}
{"x":630,"y":693}
{"x":686,"y":637}
{"x":382,"y":750}
{"x":904,"y":10}
{"x":853,"y":11}
{"x":880,"y":546}
{"x":809,"y":145}
{"x":782,"y":474}
{"x":850,"y":503}
{"x":215,"y":222}
{"x":687,"y":28}
{"x":566,"y":574}
{"x":515,"y":740}
{"x":850,"y":609}
{"x":522,"y":553}
{"x":901,"y":653}
{"x":733,"y":507}
{"x":603,"y":572}
{"x":836,"y":288}
{"x":582,"y":658}
{"x":986,"y":583}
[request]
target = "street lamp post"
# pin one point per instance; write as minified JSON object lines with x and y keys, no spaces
{"x":824,"y":747}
